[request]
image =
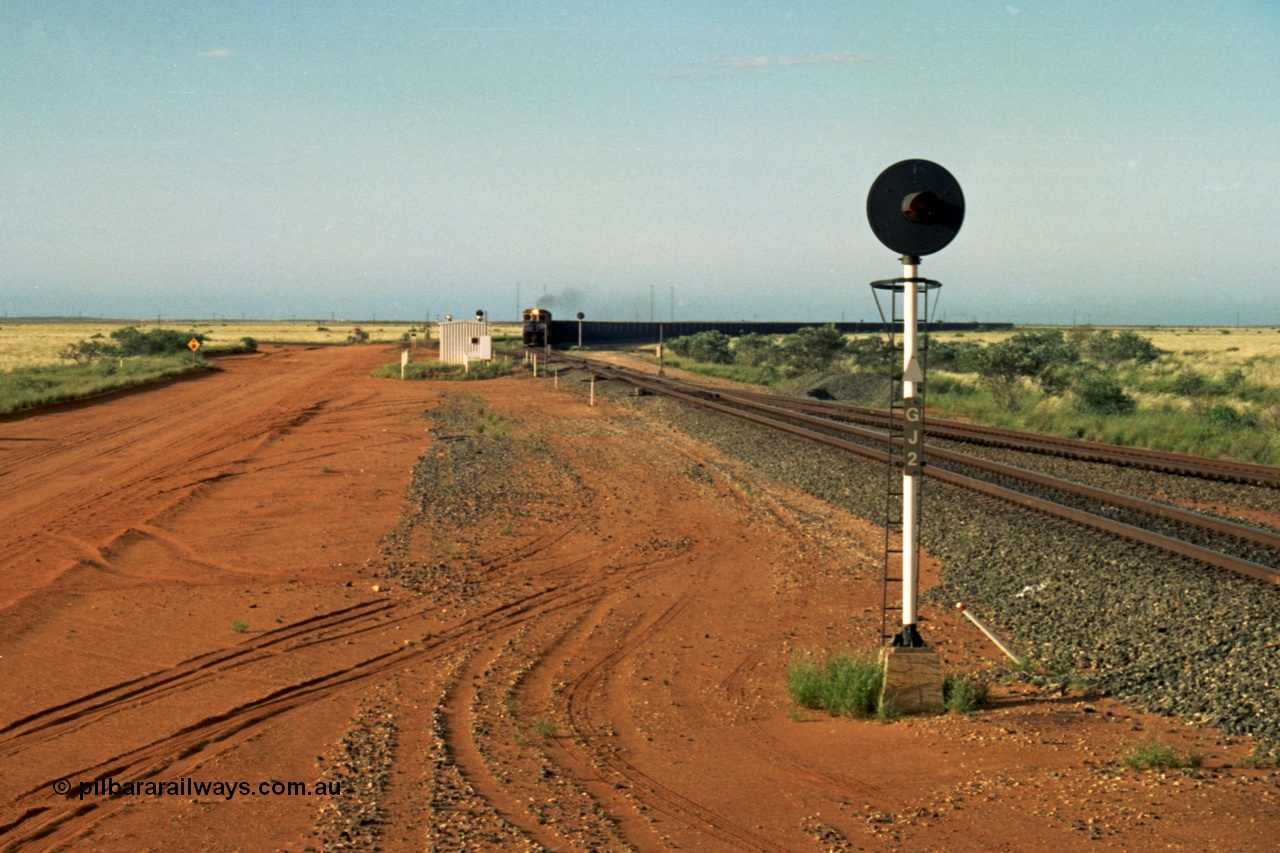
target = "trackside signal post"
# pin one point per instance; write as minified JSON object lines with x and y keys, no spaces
{"x":915,"y":208}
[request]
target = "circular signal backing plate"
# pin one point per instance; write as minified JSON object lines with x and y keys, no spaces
{"x":915,"y":207}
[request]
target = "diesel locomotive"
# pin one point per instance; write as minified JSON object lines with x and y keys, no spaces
{"x":537,"y":327}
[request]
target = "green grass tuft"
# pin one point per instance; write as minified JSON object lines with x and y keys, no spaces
{"x":1150,"y":752}
{"x":845,"y":684}
{"x":963,"y":693}
{"x":437,"y":370}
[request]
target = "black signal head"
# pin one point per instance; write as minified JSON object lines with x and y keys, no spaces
{"x":915,"y":207}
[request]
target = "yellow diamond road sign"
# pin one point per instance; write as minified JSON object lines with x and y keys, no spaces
{"x":193,"y":345}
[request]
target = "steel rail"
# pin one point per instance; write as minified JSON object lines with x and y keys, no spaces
{"x":1071,"y":448}
{"x":1128,"y":531}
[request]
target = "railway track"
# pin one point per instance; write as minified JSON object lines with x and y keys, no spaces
{"x":1244,"y":549}
{"x":1225,"y":470}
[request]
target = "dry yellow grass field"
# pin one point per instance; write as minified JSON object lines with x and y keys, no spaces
{"x":32,"y":344}
{"x":36,"y":343}
{"x":1215,"y":349}
{"x":24,"y":344}
{"x":1218,"y":350}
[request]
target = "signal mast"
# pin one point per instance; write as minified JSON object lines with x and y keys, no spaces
{"x":915,"y":208}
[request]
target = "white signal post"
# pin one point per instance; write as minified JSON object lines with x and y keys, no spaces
{"x":911,"y":374}
{"x":915,"y":208}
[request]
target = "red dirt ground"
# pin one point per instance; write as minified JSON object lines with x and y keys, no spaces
{"x":193,"y":587}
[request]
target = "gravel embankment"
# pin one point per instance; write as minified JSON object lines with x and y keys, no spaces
{"x":1163,"y":633}
{"x":1153,"y":485}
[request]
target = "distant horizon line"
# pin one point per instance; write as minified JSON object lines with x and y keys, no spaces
{"x":160,"y":320}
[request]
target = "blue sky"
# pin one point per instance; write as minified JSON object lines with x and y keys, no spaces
{"x":1120,"y":160}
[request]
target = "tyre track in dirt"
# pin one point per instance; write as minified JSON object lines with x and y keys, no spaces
{"x":134,"y":469}
{"x":182,"y":752}
{"x":114,"y":465}
{"x":472,"y":724}
{"x":195,"y":743}
{"x":554,"y":805}
{"x":48,"y":722}
{"x":589,"y":751}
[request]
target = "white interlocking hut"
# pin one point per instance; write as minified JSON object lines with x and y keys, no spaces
{"x":463,"y":341}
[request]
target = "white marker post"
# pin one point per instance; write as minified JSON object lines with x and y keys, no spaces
{"x":990,"y":634}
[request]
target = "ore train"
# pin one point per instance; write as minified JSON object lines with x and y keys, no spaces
{"x":537,"y":327}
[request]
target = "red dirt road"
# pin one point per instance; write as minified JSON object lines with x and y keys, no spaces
{"x":226,"y":580}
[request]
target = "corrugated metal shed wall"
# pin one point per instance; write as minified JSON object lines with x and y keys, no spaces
{"x":462,"y":338}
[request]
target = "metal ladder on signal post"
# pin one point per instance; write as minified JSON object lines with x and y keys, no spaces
{"x":891,"y":591}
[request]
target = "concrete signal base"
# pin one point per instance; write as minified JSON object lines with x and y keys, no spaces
{"x":912,"y":680}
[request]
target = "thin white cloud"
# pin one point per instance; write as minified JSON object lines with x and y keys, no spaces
{"x":216,"y":53}
{"x":761,"y":62}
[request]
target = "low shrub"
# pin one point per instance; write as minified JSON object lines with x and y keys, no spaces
{"x":871,"y":353}
{"x":812,"y":348}
{"x":131,"y":342}
{"x":710,"y":347}
{"x":1104,"y":396}
{"x":756,"y":350}
{"x":1227,"y":417}
{"x":957,"y":356}
{"x":1110,"y":347}
{"x":949,"y":385}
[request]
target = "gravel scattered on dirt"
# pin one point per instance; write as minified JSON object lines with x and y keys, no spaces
{"x":352,"y":821}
